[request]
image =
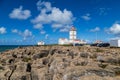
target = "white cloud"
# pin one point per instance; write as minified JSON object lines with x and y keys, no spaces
{"x":104,"y":11}
{"x":56,"y":16}
{"x":65,"y":29}
{"x":38,"y":26}
{"x":2,"y":30}
{"x":57,"y":25}
{"x":17,"y":31}
{"x":95,"y":29}
{"x":42,"y":32}
{"x":25,"y":34}
{"x":86,"y":17}
{"x":115,"y":29}
{"x":115,"y":38}
{"x":14,"y":31}
{"x":19,"y":13}
{"x":53,"y":16}
{"x":45,"y":6}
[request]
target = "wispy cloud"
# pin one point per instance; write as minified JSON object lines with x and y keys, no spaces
{"x":38,"y":26}
{"x":115,"y":38}
{"x":3,"y":30}
{"x":14,"y":31}
{"x":42,"y":31}
{"x":86,"y":17}
{"x":25,"y":34}
{"x":19,"y":13}
{"x":103,"y":11}
{"x":65,"y":29}
{"x":96,"y":29}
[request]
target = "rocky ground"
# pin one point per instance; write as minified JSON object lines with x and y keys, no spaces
{"x":60,"y":63}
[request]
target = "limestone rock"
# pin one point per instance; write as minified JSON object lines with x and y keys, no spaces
{"x":60,"y":63}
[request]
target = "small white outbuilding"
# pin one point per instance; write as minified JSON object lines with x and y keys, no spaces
{"x":41,"y":43}
{"x":63,"y":41}
{"x":115,"y":43}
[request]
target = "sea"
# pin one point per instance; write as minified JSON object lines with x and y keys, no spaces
{"x":8,"y":47}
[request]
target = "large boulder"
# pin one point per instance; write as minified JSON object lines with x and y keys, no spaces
{"x":43,"y":53}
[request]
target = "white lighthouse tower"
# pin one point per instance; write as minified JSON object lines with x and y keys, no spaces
{"x":72,"y":34}
{"x":72,"y":38}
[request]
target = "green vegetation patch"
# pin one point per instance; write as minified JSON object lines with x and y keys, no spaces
{"x":99,"y":50}
{"x":26,"y":59}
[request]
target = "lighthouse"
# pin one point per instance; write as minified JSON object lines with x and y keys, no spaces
{"x":72,"y":38}
{"x":72,"y":34}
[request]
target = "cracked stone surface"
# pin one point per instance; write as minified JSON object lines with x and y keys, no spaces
{"x":60,"y":63}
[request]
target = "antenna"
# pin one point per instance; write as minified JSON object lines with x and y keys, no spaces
{"x":96,"y":36}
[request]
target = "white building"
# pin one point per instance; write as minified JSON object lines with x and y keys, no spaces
{"x":115,"y":43}
{"x":63,"y":41}
{"x":98,"y":41}
{"x":41,"y":43}
{"x":72,"y":38}
{"x":77,"y":41}
{"x":72,"y":35}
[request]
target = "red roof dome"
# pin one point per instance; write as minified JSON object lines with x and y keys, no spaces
{"x":73,"y":29}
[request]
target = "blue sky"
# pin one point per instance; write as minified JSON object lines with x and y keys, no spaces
{"x":24,"y":22}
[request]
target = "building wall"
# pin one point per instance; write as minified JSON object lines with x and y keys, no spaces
{"x":63,"y":41}
{"x":118,"y":43}
{"x":115,"y":43}
{"x":72,"y":35}
{"x":72,"y":38}
{"x":41,"y":43}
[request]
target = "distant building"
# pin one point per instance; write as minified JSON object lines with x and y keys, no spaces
{"x":115,"y":43}
{"x":63,"y":41}
{"x":81,"y":41}
{"x":72,"y":35}
{"x":41,"y":43}
{"x":98,"y":41}
{"x":72,"y":38}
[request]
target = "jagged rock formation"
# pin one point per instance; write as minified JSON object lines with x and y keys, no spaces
{"x":60,"y":63}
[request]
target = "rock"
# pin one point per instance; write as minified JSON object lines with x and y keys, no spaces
{"x":112,"y":61}
{"x":12,"y":67}
{"x":103,"y":65}
{"x":21,"y":67}
{"x":14,"y":55}
{"x":1,"y":68}
{"x":93,"y":55}
{"x":84,"y":55}
{"x":11,"y":61}
{"x":7,"y":74}
{"x":28,"y":69}
{"x":71,"y":54}
{"x":34,"y":76}
{"x":42,"y":54}
{"x":52,"y":52}
{"x":100,"y":58}
{"x":60,"y":63}
{"x":20,"y":76}
{"x":115,"y":69}
{"x":48,"y":76}
{"x":101,"y":72}
{"x":77,"y":74}
{"x":80,"y":62}
{"x":26,"y":59}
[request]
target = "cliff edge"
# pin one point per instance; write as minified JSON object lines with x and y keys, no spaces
{"x":60,"y":63}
